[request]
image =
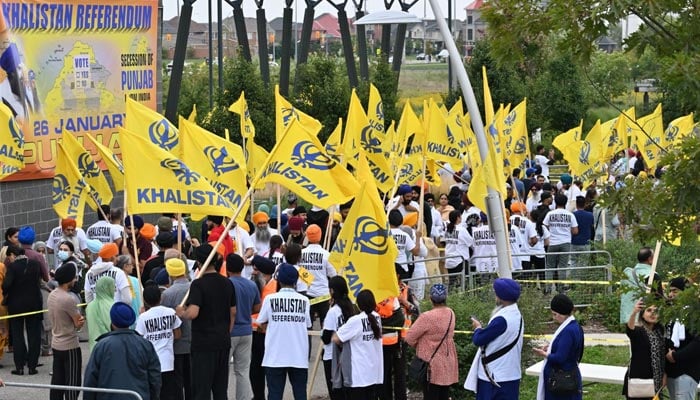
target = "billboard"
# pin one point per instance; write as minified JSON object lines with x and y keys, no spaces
{"x":68,"y":65}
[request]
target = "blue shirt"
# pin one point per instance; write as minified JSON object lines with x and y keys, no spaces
{"x":247,"y":296}
{"x":585,"y":227}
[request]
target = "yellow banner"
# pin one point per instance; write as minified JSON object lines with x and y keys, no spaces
{"x":69,"y":189}
{"x":114,"y":164}
{"x":69,"y":65}
{"x":11,"y":143}
{"x":285,"y":113}
{"x":240,"y":107}
{"x":88,"y":169}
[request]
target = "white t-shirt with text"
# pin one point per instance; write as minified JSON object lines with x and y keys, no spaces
{"x":287,"y":314}
{"x":156,"y":325}
{"x":560,"y":221}
{"x":367,"y":366}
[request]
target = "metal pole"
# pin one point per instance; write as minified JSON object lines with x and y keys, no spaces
{"x":493,"y":200}
{"x":262,"y":45}
{"x":449,"y":27}
{"x":285,"y":58}
{"x":74,"y":388}
{"x":220,"y":44}
{"x":211,"y":62}
{"x":183,"y":31}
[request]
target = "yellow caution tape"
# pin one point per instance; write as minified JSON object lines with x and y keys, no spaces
{"x":566,"y":282}
{"x":320,"y":299}
{"x":31,"y":313}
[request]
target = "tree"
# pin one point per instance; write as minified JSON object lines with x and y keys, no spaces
{"x":670,"y":28}
{"x":609,"y":76}
{"x":386,"y":81}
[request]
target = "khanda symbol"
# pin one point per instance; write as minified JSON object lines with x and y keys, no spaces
{"x":407,"y":170}
{"x":370,"y":237}
{"x":510,"y":118}
{"x":288,"y":114}
{"x":163,"y":134}
{"x":183,"y":174}
{"x":380,"y":111}
{"x":60,"y":188}
{"x":671,"y":134}
{"x":16,"y":133}
{"x":220,"y":160}
{"x":585,"y":153}
{"x":520,"y":146}
{"x":308,"y":155}
{"x":87,"y":166}
{"x":613,"y":137}
{"x":370,"y":142}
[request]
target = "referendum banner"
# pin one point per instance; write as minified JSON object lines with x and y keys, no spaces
{"x":69,"y":65}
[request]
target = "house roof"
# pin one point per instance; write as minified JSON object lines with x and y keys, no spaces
{"x":171,"y":25}
{"x":474,"y":5}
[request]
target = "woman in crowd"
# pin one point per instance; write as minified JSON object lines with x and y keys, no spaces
{"x":126,"y":264}
{"x":457,"y":243}
{"x":22,"y":295}
{"x":276,"y":253}
{"x":433,"y":337}
{"x":364,"y":363}
{"x":12,"y":237}
{"x":564,"y":352}
{"x":647,"y":346}
{"x":98,"y":318}
{"x":341,"y":310}
{"x":444,"y":208}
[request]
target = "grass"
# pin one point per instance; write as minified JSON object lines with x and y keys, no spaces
{"x":419,"y":79}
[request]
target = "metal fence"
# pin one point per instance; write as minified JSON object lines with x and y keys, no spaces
{"x":129,"y":393}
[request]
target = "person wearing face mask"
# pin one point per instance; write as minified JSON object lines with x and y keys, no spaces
{"x":66,"y":254}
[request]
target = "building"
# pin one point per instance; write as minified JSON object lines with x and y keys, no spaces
{"x":474,"y":26}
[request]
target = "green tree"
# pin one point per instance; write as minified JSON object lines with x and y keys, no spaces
{"x":671,"y":29}
{"x":608,"y":76}
{"x":386,"y":81}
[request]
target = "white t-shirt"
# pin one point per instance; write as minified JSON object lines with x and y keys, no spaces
{"x":470,"y":211}
{"x":517,"y":247}
{"x":334,"y":320}
{"x":522,"y":223}
{"x":457,"y":243}
{"x":104,"y":231}
{"x":405,"y":244}
{"x":121,"y":281}
{"x":314,"y":259}
{"x":531,"y":231}
{"x":392,"y":203}
{"x":286,"y":342}
{"x":367,"y":366}
{"x":277,"y":258}
{"x":56,"y":237}
{"x":156,"y":325}
{"x":484,"y":258}
{"x":560,"y":221}
{"x":542,"y":162}
{"x":243,"y":242}
{"x":260,"y":246}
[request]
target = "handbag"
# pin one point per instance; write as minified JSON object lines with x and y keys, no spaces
{"x":640,"y":388}
{"x":419,"y":369}
{"x":562,"y":382}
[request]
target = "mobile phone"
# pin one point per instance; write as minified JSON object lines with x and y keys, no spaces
{"x":473,"y":317}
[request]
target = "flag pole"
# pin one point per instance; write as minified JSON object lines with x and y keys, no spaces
{"x":329,"y":227}
{"x":136,"y":249}
{"x":493,"y":199}
{"x":421,"y":201}
{"x":279,"y":209}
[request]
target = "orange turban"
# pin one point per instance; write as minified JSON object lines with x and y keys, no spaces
{"x":518,"y":207}
{"x":313,"y":233}
{"x":108,"y":251}
{"x":260,"y":217}
{"x":411,"y":219}
{"x":68,"y":222}
{"x":148,"y":231}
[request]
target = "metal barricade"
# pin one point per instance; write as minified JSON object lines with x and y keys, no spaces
{"x":130,"y":393}
{"x":582,"y":283}
{"x":431,"y":278}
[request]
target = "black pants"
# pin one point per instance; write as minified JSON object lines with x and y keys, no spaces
{"x":321,"y":309}
{"x":539,"y":264}
{"x":394,"y":386}
{"x":257,"y":372}
{"x":168,"y":389}
{"x":209,"y":374}
{"x":335,"y":394}
{"x":67,"y":370}
{"x":181,"y":378}
{"x":26,"y":353}
{"x":436,"y":392}
{"x":363,"y":393}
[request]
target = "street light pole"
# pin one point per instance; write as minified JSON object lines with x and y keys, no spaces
{"x":493,"y":200}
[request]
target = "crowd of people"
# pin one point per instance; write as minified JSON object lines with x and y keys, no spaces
{"x":244,"y":296}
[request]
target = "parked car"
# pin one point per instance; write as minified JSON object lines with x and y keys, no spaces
{"x":420,"y":57}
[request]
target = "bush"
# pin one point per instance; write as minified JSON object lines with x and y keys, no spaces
{"x":535,"y":311}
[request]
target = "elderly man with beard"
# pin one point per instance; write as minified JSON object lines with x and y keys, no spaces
{"x":495,"y":372}
{"x":68,"y":231}
{"x":403,"y":201}
{"x":263,"y":233}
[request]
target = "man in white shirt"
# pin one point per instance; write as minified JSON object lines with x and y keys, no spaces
{"x":245,"y":247}
{"x":314,"y":259}
{"x":562,"y":225}
{"x":103,"y":230}
{"x":108,"y":253}
{"x":544,"y":161}
{"x":403,"y":201}
{"x":286,"y":317}
{"x":263,"y":233}
{"x":68,"y":231}
{"x":404,"y":242}
{"x":570,"y":190}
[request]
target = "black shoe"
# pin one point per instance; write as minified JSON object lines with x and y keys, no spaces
{"x":33,"y":371}
{"x":40,"y":365}
{"x":18,"y":371}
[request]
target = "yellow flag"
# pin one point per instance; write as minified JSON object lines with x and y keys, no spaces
{"x":618,"y":133}
{"x":649,"y":140}
{"x":158,"y":182}
{"x":333,"y":143}
{"x":11,"y":143}
{"x":113,"y":163}
{"x":193,"y":114}
{"x":255,"y":157}
{"x":88,"y":169}
{"x":299,"y":163}
{"x":677,"y":130}
{"x":443,"y":142}
{"x":516,"y":146}
{"x":147,"y":123}
{"x":365,"y":252}
{"x":240,"y":107}
{"x":563,"y":140}
{"x":411,"y":171}
{"x":285,"y":112}
{"x":473,"y":154}
{"x":221,"y":162}
{"x":356,"y":122}
{"x":409,"y":124}
{"x":491,"y":172}
{"x":488,"y":102}
{"x":584,"y":157}
{"x":69,"y":189}
{"x":375,"y":111}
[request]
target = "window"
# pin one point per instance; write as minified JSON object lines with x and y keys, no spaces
{"x":470,"y":35}
{"x":470,"y":19}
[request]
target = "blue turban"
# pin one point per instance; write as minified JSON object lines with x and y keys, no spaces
{"x":506,"y":289}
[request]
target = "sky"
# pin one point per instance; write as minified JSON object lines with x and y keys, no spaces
{"x":273,"y":8}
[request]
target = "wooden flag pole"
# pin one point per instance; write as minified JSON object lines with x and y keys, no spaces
{"x":179,"y":234}
{"x":421,"y":200}
{"x":136,"y":249}
{"x":279,"y":209}
{"x":329,"y":227}
{"x":312,"y":378}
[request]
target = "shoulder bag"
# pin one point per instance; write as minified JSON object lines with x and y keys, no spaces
{"x":563,"y":382}
{"x":419,"y":369}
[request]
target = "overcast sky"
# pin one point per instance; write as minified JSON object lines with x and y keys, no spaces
{"x":273,"y":8}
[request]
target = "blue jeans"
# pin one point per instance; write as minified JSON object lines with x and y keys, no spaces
{"x":277,"y":378}
{"x":682,"y":388}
